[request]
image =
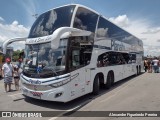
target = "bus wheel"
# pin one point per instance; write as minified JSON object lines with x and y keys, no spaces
{"x":96,"y":85}
{"x":109,"y":81}
{"x":137,"y":71}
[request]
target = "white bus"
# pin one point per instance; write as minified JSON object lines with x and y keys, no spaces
{"x":73,"y":50}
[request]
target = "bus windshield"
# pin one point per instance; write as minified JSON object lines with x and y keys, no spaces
{"x":49,"y":21}
{"x":43,"y":61}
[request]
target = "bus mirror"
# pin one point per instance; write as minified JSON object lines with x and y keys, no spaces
{"x":7,"y":42}
{"x":64,"y":31}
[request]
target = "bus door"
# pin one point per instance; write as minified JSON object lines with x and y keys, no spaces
{"x":127,"y":65}
{"x":117,"y":66}
{"x":133,"y":63}
{"x":127,"y":69}
{"x":77,"y":74}
{"x":80,"y":56}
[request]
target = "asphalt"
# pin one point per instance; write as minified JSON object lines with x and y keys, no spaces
{"x":140,"y":93}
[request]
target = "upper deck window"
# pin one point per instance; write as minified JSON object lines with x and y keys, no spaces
{"x":85,"y":20}
{"x":49,"y":21}
{"x":109,"y":30}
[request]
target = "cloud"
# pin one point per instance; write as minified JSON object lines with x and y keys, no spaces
{"x":152,"y":50}
{"x":13,"y":30}
{"x":158,"y":40}
{"x":1,"y":19}
{"x":121,"y":20}
{"x":101,"y":32}
{"x":152,"y":31}
{"x":143,"y":39}
{"x":141,"y":28}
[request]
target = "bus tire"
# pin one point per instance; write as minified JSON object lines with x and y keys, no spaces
{"x":139,"y":69}
{"x":109,"y":81}
{"x":96,"y":85}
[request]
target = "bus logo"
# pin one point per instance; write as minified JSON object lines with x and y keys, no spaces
{"x":34,"y":82}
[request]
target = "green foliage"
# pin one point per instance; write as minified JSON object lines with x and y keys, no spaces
{"x":15,"y":56}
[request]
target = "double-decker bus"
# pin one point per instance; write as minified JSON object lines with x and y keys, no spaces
{"x":72,"y":50}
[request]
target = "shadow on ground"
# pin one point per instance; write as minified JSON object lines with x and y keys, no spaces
{"x":81,"y":101}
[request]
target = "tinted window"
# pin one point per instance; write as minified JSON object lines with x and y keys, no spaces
{"x":103,"y":60}
{"x":85,"y":20}
{"x":109,"y":30}
{"x":48,"y":22}
{"x":111,"y":58}
{"x":126,"y":57}
{"x":133,"y":58}
{"x":80,"y":52}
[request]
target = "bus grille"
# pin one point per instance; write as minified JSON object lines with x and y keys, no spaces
{"x":37,"y":87}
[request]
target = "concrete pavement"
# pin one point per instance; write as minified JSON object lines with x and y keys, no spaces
{"x":139,"y":93}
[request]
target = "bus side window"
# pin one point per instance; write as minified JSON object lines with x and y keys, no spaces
{"x":103,"y":60}
{"x":113,"y":58}
{"x":123,"y":60}
{"x":99,"y":61}
{"x":126,"y":58}
{"x":133,"y":58}
{"x":106,"y":59}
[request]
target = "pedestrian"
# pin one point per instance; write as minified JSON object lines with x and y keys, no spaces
{"x":155,"y":65}
{"x":149,"y":66}
{"x":145,"y":65}
{"x":19,"y":62}
{"x":159,"y":66}
{"x":7,"y":74}
{"x":16,"y":77}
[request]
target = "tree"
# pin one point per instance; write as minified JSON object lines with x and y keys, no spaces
{"x":16,"y":54}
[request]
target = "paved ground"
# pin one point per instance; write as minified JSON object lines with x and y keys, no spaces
{"x":139,"y":93}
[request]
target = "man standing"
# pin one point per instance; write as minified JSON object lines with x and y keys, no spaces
{"x":156,"y":65}
{"x":145,"y":65}
{"x":7,"y":74}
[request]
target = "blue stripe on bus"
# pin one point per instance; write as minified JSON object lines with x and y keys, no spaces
{"x":56,"y":79}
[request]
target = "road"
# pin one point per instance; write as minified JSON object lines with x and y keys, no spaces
{"x":139,"y":93}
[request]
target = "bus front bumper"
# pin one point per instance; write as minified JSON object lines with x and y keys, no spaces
{"x":51,"y":95}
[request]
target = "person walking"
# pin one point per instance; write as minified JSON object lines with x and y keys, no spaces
{"x":7,"y":74}
{"x":145,"y":65}
{"x":155,"y":65}
{"x":16,"y":77}
{"x":159,"y":66}
{"x":149,"y":65}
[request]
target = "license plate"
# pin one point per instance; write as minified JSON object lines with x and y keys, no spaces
{"x":37,"y":95}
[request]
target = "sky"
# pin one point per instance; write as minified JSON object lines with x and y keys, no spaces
{"x":139,"y":17}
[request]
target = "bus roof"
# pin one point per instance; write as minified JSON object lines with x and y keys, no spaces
{"x":79,"y":5}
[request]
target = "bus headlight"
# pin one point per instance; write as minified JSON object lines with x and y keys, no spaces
{"x":58,"y":84}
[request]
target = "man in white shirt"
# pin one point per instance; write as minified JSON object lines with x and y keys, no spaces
{"x":155,"y":65}
{"x":7,"y":74}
